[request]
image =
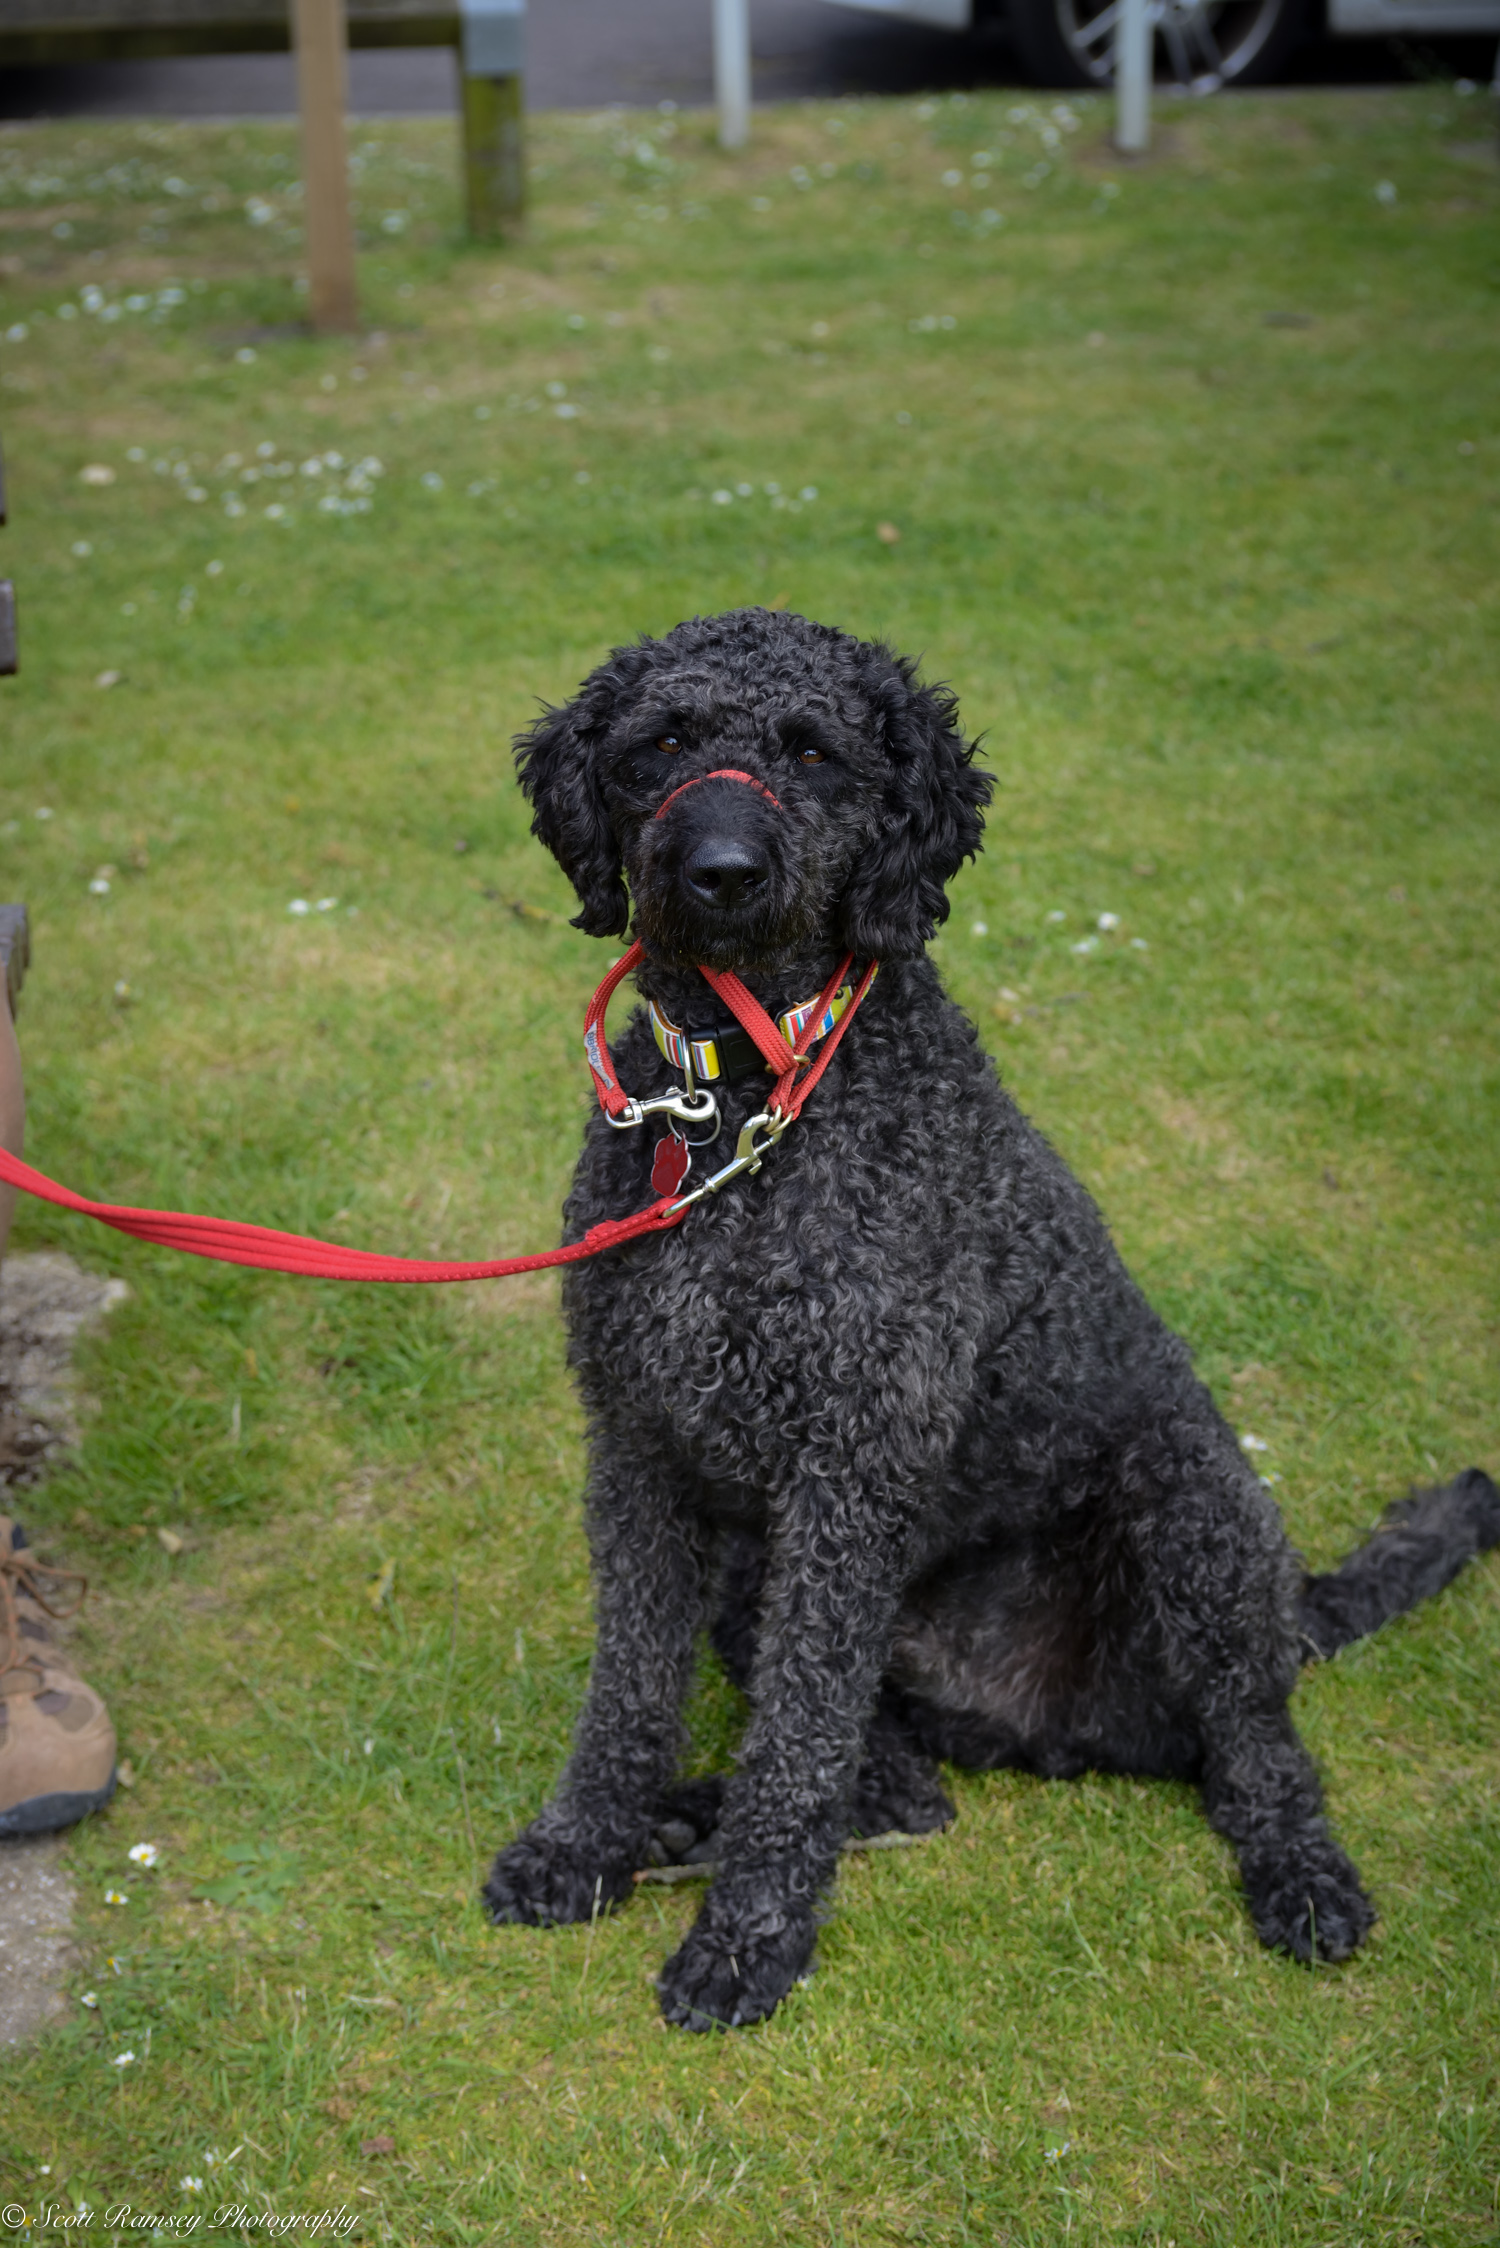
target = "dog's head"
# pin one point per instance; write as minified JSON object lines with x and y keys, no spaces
{"x":760,"y":782}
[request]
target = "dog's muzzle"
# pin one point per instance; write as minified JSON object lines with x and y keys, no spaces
{"x":720,"y":868}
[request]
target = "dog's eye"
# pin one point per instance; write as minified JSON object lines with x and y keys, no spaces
{"x":810,"y":756}
{"x":670,"y":743}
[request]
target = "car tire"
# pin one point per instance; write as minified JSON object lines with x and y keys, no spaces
{"x":1215,"y":42}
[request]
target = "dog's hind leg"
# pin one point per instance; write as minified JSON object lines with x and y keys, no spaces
{"x":581,"y":1854}
{"x":1261,"y":1792}
{"x":898,"y":1789}
{"x":736,"y":1627}
{"x":1223,"y":1586}
{"x":1259,"y":1785}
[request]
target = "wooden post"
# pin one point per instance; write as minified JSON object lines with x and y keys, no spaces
{"x":732,"y":71}
{"x":494,"y":161}
{"x":322,"y":77}
{"x":1133,"y":56}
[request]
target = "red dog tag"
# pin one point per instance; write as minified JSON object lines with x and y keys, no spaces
{"x":670,"y":1165}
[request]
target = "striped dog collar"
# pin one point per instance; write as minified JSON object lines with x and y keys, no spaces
{"x":729,"y":1053}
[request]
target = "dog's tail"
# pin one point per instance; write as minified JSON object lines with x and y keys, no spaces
{"x":1419,"y":1545}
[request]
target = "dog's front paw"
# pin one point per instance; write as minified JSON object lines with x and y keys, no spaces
{"x":1310,"y":1903}
{"x":720,"y":1980}
{"x":544,"y":1880}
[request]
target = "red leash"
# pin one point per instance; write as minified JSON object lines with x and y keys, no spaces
{"x":232,"y":1242}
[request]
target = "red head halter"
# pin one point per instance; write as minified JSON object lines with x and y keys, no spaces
{"x":722,"y":773}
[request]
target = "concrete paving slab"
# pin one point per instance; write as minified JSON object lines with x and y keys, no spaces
{"x":46,"y":1302}
{"x":36,"y":1946}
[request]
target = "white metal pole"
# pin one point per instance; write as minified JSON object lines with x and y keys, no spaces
{"x":732,"y":71}
{"x":1133,"y":44}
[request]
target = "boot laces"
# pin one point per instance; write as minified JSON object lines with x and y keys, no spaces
{"x":21,"y":1572}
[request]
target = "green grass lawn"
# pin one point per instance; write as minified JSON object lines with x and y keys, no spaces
{"x":1194,"y":467}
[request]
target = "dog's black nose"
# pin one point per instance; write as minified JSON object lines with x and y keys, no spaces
{"x":724,"y":873}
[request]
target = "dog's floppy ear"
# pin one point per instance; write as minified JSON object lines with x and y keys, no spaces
{"x":932,"y":820}
{"x":558,"y":761}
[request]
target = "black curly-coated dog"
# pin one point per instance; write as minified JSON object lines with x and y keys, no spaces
{"x":891,"y":1408}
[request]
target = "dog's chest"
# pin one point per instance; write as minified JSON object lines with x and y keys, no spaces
{"x":713,"y":1332}
{"x":823,"y":1317}
{"x":788,"y":1324}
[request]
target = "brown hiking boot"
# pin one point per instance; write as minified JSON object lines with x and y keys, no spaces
{"x":57,"y":1745}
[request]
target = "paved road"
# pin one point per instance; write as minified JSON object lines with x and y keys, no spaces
{"x":586,"y":53}
{"x":582,"y":55}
